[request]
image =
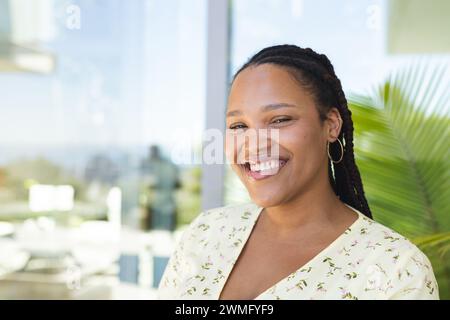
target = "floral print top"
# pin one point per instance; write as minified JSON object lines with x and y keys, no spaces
{"x":367,"y":261}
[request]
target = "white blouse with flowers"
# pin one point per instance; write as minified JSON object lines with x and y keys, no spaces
{"x":367,"y":261}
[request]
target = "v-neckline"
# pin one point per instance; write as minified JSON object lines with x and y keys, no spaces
{"x":239,"y":249}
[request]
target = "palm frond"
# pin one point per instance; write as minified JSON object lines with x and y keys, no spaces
{"x":402,"y":149}
{"x":439,"y":242}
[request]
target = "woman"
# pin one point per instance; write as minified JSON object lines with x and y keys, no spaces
{"x":308,"y":232}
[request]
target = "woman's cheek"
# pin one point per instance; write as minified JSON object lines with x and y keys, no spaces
{"x":292,"y":139}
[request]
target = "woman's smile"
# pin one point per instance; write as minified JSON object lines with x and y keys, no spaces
{"x":263,"y":169}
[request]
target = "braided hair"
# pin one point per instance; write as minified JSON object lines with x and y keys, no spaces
{"x":315,"y":73}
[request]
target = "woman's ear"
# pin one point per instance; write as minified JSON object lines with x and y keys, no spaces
{"x":334,"y":121}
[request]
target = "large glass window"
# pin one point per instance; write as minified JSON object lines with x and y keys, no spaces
{"x":100,"y":82}
{"x":96,"y":98}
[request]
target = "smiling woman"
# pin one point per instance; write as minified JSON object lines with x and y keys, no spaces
{"x":308,"y":232}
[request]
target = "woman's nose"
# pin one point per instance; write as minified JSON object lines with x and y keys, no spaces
{"x":259,"y":144}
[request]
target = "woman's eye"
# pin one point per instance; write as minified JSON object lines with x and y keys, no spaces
{"x":280,"y":120}
{"x":237,"y":126}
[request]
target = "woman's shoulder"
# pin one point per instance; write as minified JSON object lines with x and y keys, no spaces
{"x":393,"y":255}
{"x":379,"y":235}
{"x":232,"y":208}
{"x":219,"y":218}
{"x":229,"y":212}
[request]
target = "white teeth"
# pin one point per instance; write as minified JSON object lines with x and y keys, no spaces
{"x":266,"y":165}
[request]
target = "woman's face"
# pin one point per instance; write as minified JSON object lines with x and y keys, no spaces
{"x":268,"y":97}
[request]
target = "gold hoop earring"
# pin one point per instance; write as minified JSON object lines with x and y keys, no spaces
{"x":342,"y":151}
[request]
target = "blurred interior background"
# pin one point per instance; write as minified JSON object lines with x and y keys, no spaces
{"x":103,"y":104}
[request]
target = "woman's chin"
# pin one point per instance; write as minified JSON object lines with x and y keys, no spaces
{"x":265,"y":200}
{"x":267,"y":195}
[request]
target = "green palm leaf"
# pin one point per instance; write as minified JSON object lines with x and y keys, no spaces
{"x":402,"y":148}
{"x":441,"y":241}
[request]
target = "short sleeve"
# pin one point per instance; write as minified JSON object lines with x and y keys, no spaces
{"x":415,"y":279}
{"x":170,"y":283}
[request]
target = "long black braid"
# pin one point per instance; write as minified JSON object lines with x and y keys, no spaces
{"x":316,"y":73}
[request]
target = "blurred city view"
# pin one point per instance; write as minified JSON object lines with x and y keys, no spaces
{"x":96,"y":97}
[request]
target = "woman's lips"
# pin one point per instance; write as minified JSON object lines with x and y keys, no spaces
{"x":263,"y":170}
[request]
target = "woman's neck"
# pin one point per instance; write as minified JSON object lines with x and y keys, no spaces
{"x":317,"y":207}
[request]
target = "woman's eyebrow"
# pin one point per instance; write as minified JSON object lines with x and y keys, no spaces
{"x":233,"y":113}
{"x":274,"y":106}
{"x":266,"y":108}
